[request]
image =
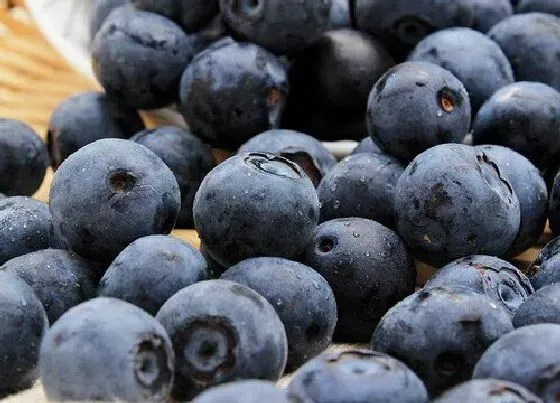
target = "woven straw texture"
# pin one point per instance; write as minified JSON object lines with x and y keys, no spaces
{"x":34,"y":79}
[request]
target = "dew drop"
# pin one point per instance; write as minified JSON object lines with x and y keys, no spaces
{"x":356,"y":235}
{"x":336,"y":204}
{"x":439,"y":114}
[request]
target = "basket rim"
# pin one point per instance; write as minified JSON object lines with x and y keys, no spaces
{"x":74,"y":55}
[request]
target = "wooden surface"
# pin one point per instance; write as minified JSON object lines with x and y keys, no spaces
{"x":34,"y":79}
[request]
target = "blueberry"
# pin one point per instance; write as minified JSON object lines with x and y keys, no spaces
{"x":24,"y":323}
{"x":487,"y":13}
{"x":107,"y":349}
{"x":100,"y":12}
{"x":357,"y":376}
{"x":59,"y":278}
{"x":312,"y":156}
{"x":23,"y":159}
{"x":341,"y":15}
{"x":554,"y":206}
{"x":187,"y":157}
{"x":440,"y":333}
{"x":528,"y":356}
{"x":253,"y":205}
{"x":530,"y":189}
{"x":361,"y":185}
{"x":25,"y":226}
{"x":525,"y":117}
{"x":232,"y":92}
{"x":532,"y":44}
{"x":488,"y":390}
{"x":367,"y":146}
{"x":472,"y":57}
{"x":252,"y":391}
{"x":541,"y":307}
{"x":545,"y":269}
{"x":487,"y":275}
{"x":228,"y":332}
{"x":542,"y":6}
{"x":402,"y":24}
{"x":213,"y":268}
{"x":281,"y":26}
{"x":138,"y":57}
{"x":368,"y":268}
{"x":191,"y":15}
{"x":452,"y":201}
{"x":333,"y":78}
{"x":86,"y":117}
{"x":417,"y":105}
{"x":110,"y":193}
{"x":302,"y":298}
{"x":151,"y":270}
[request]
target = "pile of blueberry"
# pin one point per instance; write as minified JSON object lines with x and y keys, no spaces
{"x":458,"y":106}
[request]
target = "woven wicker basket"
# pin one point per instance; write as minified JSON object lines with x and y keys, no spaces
{"x":34,"y":78}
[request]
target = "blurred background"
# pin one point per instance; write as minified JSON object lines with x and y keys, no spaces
{"x":34,"y":77}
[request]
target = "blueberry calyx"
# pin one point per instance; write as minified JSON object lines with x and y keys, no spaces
{"x":274,"y":165}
